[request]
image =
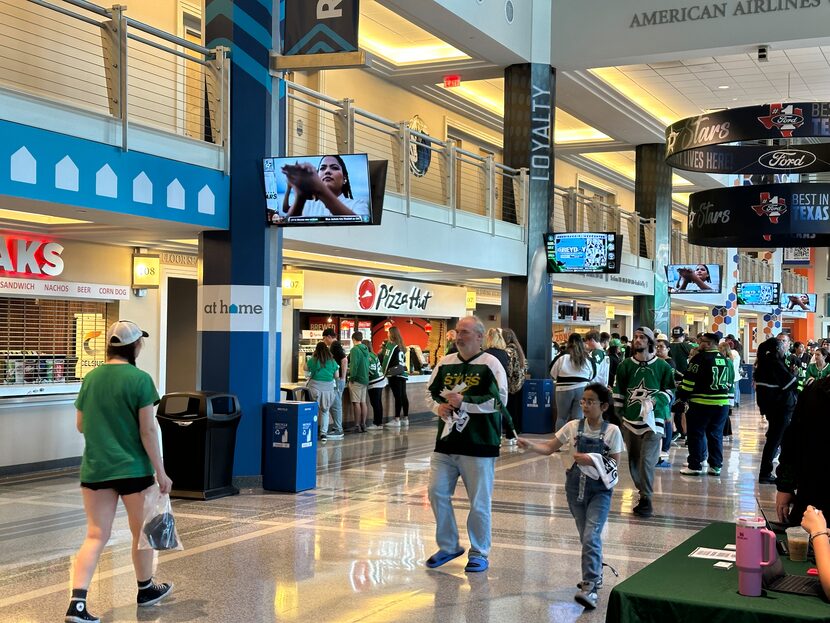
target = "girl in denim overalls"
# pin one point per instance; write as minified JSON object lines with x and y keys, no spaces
{"x":589,"y":499}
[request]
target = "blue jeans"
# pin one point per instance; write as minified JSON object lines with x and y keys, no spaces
{"x":590,"y":514}
{"x":567,"y":406}
{"x":668,"y":433}
{"x":477,"y":474}
{"x":704,"y":424}
{"x":337,"y":408}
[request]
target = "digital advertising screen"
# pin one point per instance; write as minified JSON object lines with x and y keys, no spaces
{"x":332,"y":189}
{"x":798,"y":302}
{"x":693,"y":278}
{"x":758,"y":293}
{"x":584,"y":252}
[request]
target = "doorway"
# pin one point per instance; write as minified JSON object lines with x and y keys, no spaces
{"x":181,"y":335}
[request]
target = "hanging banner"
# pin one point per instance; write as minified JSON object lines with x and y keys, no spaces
{"x":767,"y":216}
{"x":700,"y":143}
{"x":320,"y":26}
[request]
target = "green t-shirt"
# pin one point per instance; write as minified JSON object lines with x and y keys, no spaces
{"x":109,"y":400}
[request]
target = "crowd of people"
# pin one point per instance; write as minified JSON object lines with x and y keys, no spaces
{"x":610,"y":394}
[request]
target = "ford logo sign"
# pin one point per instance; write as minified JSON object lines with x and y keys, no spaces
{"x":787,"y":120}
{"x":787,"y":159}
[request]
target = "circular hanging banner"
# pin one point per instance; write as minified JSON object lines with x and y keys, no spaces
{"x":701,"y":143}
{"x":767,"y":216}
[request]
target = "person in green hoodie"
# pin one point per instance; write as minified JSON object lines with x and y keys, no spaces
{"x":359,"y":381}
{"x":468,"y":392}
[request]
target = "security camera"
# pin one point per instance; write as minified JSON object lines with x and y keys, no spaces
{"x":763,"y":53}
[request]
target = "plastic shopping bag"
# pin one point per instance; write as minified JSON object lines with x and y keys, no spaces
{"x":158,"y":530}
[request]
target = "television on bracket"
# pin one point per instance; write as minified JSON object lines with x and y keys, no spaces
{"x":694,"y":278}
{"x":765,"y":293}
{"x":329,"y":189}
{"x":798,"y":302}
{"x":583,"y":252}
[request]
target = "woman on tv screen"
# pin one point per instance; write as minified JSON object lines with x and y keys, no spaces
{"x":699,"y":277}
{"x":324,"y":192}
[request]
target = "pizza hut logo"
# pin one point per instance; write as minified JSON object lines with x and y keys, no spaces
{"x":783,"y":118}
{"x":366,"y":294}
{"x":772,"y":207}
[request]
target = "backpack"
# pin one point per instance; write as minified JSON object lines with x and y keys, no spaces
{"x":515,"y":372}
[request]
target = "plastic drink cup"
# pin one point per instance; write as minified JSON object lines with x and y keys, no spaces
{"x":797,"y":542}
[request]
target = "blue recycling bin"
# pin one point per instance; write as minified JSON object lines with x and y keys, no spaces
{"x":289,"y":453}
{"x":537,"y":412}
{"x":745,"y":384}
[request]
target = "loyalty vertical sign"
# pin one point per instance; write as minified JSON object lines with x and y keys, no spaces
{"x":320,"y":26}
{"x":541,"y":123}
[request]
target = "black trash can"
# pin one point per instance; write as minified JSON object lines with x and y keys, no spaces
{"x":198,"y":436}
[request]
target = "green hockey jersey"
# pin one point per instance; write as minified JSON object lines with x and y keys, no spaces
{"x":475,"y":429}
{"x":639,"y":382}
{"x":710,"y":380}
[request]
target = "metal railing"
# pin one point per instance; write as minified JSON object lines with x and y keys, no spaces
{"x":754,"y":269}
{"x":478,"y":191}
{"x":684,"y":252}
{"x":98,"y":59}
{"x":793,"y":282}
{"x":574,"y":212}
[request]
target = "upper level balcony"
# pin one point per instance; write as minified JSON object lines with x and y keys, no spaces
{"x":112,"y":118}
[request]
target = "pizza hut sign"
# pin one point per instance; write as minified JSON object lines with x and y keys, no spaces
{"x":385,"y":297}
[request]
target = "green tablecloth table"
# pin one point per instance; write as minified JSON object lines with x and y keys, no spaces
{"x":676,"y":588}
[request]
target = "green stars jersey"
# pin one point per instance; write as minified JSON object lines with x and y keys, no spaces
{"x":475,"y":429}
{"x":639,"y":383}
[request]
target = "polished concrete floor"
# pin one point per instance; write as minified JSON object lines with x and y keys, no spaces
{"x":354,"y":549}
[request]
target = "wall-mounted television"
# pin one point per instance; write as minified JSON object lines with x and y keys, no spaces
{"x":583,"y":252}
{"x":693,"y":278}
{"x":799,"y":302}
{"x":331,"y":189}
{"x":758,"y":293}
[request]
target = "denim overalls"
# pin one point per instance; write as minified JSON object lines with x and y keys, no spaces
{"x":589,"y":502}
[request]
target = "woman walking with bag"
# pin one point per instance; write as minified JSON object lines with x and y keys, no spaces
{"x":121,"y":451}
{"x":393,"y":360}
{"x":322,"y":368}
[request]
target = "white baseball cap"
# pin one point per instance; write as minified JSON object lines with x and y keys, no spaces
{"x":124,"y":332}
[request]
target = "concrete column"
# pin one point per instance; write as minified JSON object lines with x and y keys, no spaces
{"x":652,"y":200}
{"x":529,"y":104}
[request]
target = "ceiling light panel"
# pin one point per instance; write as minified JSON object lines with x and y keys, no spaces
{"x":386,"y":34}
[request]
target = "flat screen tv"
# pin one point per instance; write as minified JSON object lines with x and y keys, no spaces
{"x":583,"y":252}
{"x":331,"y":189}
{"x":694,"y":278}
{"x":799,"y":302}
{"x":758,"y":293}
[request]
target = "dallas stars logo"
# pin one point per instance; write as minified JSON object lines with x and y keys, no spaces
{"x":784,"y":118}
{"x":640,"y":393}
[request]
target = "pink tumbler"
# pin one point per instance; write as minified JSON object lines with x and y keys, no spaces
{"x":750,"y":535}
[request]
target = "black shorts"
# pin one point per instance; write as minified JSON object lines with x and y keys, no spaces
{"x":122,"y":486}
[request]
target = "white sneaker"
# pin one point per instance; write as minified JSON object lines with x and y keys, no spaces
{"x":688,"y":471}
{"x":373,"y":427}
{"x":392,"y":424}
{"x":664,"y":456}
{"x":405,"y":422}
